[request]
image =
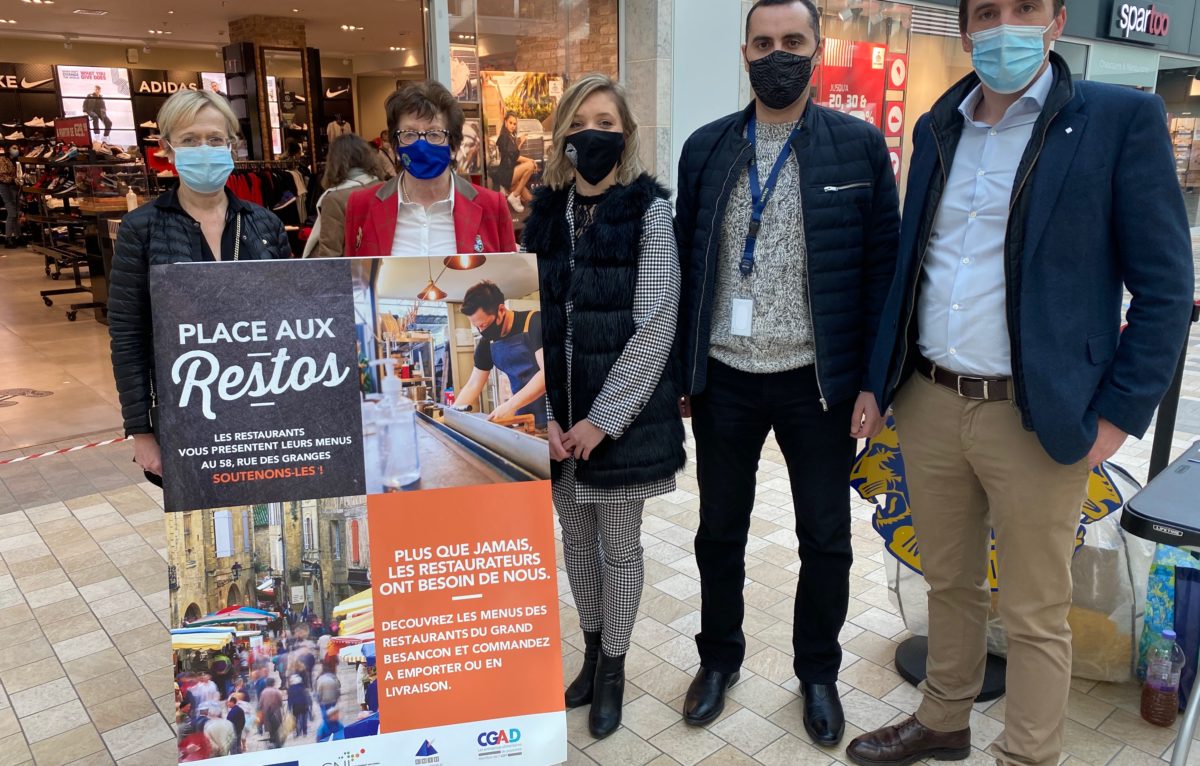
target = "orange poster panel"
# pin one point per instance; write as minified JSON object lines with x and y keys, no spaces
{"x":466,"y":605}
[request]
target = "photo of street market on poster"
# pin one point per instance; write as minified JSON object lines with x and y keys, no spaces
{"x":374,"y":627}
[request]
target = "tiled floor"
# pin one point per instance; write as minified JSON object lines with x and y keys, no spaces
{"x":41,"y":350}
{"x":84,"y":663}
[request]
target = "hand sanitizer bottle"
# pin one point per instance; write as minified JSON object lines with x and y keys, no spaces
{"x":396,"y":424}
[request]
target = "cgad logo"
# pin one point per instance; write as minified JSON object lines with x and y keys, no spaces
{"x":347,"y":758}
{"x":502,"y":737}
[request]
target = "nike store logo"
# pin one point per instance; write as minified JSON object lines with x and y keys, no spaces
{"x":331,"y":93}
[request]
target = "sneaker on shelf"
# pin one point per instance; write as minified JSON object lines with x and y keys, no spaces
{"x":149,"y":124}
{"x":48,"y":124}
{"x":65,"y":189}
{"x":70,"y":153}
{"x":99,"y":147}
{"x":36,"y":122}
{"x":166,"y":174}
{"x":515,"y":201}
{"x":16,"y":135}
{"x":10,"y":124}
{"x":154,"y":137}
{"x":37,"y":152}
{"x":54,"y":203}
{"x":161,"y":154}
{"x":287,"y":199}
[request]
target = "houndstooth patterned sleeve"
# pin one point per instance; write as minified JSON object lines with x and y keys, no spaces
{"x":632,"y":380}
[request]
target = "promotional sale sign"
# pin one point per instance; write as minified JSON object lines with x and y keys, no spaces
{"x":851,"y":79}
{"x":360,"y":574}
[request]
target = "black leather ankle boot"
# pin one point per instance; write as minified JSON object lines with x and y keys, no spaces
{"x":605,"y":717}
{"x":579,"y":693}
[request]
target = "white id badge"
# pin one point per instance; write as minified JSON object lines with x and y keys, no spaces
{"x":743,"y":317}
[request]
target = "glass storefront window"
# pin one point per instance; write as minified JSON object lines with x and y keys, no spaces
{"x":1123,"y":65}
{"x":1076,"y":56}
{"x":510,"y":61}
{"x":1179,"y":89}
{"x":887,"y":63}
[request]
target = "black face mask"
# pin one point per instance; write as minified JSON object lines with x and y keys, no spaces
{"x":492,"y":331}
{"x":780,"y":78}
{"x":594,"y":153}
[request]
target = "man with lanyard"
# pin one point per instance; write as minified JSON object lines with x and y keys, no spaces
{"x":783,"y":280}
{"x":512,"y":341}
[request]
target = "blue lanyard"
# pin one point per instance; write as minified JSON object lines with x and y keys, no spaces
{"x":759,"y":194}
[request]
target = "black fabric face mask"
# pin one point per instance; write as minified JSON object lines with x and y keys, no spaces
{"x":594,"y":153}
{"x":780,"y":78}
{"x":492,"y":331}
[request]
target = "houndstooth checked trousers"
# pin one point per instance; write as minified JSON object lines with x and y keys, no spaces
{"x":602,"y":550}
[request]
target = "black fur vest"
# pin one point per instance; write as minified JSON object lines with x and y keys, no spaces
{"x":601,"y":289}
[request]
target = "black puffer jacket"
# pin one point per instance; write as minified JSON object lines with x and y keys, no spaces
{"x":851,"y":228}
{"x":160,"y":233}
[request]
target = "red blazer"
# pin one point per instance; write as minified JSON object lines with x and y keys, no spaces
{"x":482,"y":221}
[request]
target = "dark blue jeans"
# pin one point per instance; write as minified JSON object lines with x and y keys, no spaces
{"x":9,"y":196}
{"x":730,"y":421}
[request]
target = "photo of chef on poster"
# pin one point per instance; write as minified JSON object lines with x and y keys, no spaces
{"x":453,"y":376}
{"x":388,"y":623}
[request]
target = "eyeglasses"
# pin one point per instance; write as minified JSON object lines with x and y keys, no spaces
{"x":435,"y":137}
{"x":191,"y":143}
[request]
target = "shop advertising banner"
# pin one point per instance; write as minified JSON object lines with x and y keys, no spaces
{"x":320,"y":621}
{"x":851,"y":79}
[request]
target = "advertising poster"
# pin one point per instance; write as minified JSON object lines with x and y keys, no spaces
{"x":852,"y":79}
{"x":103,"y":95}
{"x":383,"y":611}
{"x":517,"y":110}
{"x":464,"y":73}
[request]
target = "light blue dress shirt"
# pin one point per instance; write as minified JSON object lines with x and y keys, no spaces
{"x":963,"y":323}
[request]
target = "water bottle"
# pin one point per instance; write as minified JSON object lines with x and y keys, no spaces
{"x":1160,"y":693}
{"x":396,"y":423}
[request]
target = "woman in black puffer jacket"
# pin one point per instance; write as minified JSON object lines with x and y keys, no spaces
{"x":201,"y":221}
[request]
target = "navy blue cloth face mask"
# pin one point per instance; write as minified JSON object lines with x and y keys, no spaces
{"x":424,"y":160}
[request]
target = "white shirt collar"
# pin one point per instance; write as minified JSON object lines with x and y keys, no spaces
{"x":1032,"y":101}
{"x":403,"y":203}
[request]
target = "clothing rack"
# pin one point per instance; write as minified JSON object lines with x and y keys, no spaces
{"x":269,"y":164}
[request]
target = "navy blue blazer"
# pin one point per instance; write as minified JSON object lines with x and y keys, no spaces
{"x":1096,"y":207}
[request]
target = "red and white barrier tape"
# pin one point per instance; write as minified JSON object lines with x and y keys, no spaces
{"x":65,"y":451}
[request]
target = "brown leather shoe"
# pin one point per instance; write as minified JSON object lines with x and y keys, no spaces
{"x":909,"y":742}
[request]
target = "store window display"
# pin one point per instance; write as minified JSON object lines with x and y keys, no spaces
{"x":200,"y":221}
{"x":515,"y":59}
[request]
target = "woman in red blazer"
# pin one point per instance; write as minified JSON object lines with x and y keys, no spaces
{"x":427,"y":210}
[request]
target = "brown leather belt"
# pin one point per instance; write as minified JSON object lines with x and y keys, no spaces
{"x":966,"y":386}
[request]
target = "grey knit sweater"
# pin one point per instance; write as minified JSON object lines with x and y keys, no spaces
{"x":782,"y":335}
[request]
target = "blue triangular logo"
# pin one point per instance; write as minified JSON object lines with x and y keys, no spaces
{"x":426,"y":750}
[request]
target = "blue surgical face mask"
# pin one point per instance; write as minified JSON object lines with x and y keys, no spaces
{"x":1008,"y":57}
{"x":424,"y":160}
{"x":204,"y":169}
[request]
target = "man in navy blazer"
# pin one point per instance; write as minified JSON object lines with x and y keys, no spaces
{"x":1032,"y":201}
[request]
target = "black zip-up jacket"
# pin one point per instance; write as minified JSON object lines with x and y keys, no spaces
{"x":851,"y":228}
{"x":154,"y":234}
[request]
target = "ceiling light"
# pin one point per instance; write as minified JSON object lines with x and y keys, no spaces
{"x":464,"y":262}
{"x":431,"y":293}
{"x":90,"y":12}
{"x":170,"y":13}
{"x":396,"y":48}
{"x":352,"y":28}
{"x":295,"y":10}
{"x":8,"y":21}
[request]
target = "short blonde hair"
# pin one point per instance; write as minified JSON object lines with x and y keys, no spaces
{"x":559,"y":172}
{"x":181,"y":110}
